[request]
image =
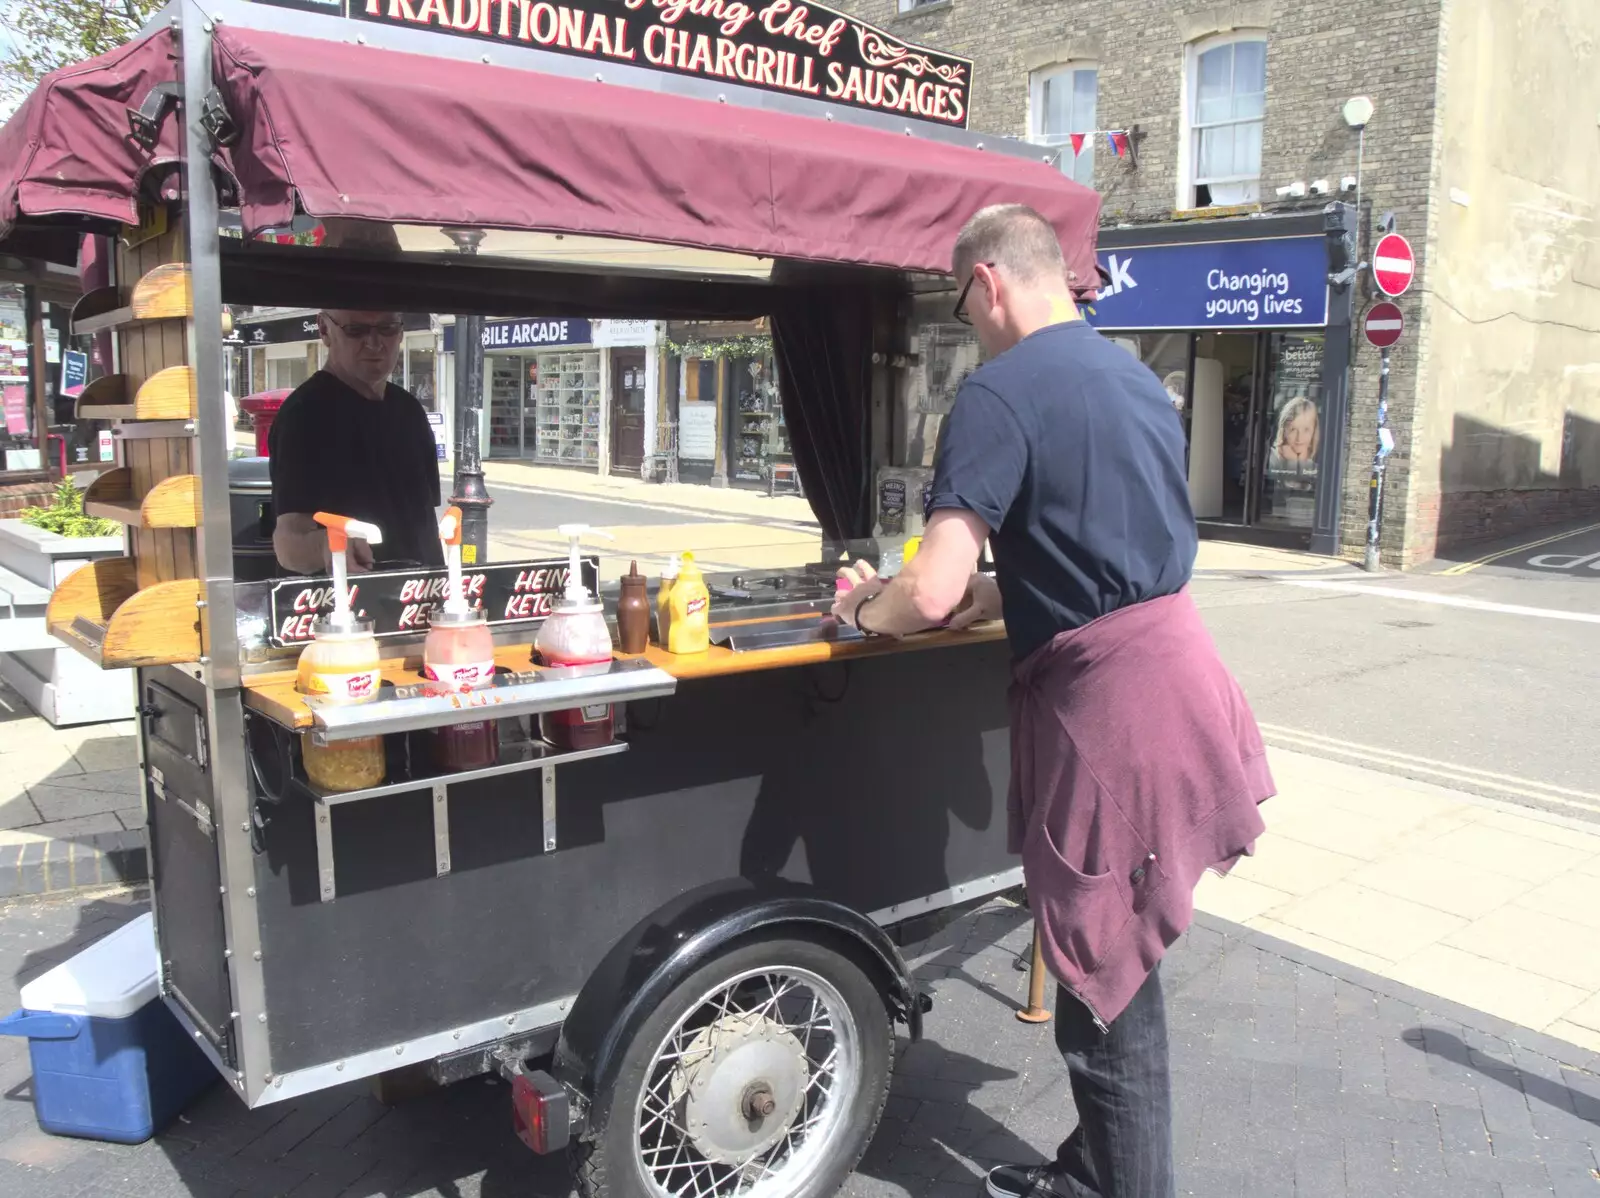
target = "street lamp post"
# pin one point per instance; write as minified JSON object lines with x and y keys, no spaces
{"x":468,"y":492}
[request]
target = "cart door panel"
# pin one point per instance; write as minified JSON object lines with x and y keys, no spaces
{"x":879,"y":784}
{"x":183,"y":846}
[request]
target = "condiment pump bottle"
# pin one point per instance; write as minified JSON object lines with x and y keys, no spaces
{"x":458,"y":656}
{"x":341,"y":666}
{"x":575,"y":634}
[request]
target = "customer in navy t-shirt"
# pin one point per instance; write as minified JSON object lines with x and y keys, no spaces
{"x":1061,"y":451}
{"x":1108,"y":523}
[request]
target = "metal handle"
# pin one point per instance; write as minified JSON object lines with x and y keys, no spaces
{"x":37,"y":1025}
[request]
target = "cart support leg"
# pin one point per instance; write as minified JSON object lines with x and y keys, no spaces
{"x":1035,"y":1011}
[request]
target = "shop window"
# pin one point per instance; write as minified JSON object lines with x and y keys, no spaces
{"x":1062,"y":101}
{"x":1224,"y":112}
{"x":420,"y":372}
{"x":287,"y":373}
{"x":21,"y":442}
{"x":761,"y":450}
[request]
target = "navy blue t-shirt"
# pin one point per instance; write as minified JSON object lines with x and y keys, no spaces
{"x":1069,"y":449}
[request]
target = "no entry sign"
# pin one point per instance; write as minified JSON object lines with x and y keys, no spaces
{"x":1384,"y":324}
{"x":1393,"y":265}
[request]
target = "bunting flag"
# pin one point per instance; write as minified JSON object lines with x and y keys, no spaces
{"x":1077,"y":143}
{"x":1119,"y":143}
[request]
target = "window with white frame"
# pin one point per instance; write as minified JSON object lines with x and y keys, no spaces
{"x":908,"y":5}
{"x":1225,"y":110}
{"x":1062,"y":101}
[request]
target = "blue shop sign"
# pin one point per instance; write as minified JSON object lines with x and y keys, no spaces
{"x":527,"y":334}
{"x":1279,"y":283}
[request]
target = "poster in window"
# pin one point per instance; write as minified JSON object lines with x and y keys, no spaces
{"x":16,"y":405}
{"x":697,"y":431}
{"x":1295,"y":429}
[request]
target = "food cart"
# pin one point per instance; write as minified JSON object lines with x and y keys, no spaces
{"x":677,"y":945}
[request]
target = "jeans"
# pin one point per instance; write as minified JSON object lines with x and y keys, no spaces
{"x":1122,"y":1146}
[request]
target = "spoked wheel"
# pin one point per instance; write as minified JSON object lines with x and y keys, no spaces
{"x":762,"y":1076}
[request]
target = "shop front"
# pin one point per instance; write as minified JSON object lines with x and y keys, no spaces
{"x":731,"y":425}
{"x":1239,"y":321}
{"x":565,"y":391}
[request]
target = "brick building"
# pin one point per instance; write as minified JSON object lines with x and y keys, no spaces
{"x":1483,"y":143}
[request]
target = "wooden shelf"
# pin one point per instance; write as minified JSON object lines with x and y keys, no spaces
{"x":166,"y":395}
{"x":99,"y":611}
{"x":162,"y":294}
{"x":172,"y":503}
{"x":274,"y":694}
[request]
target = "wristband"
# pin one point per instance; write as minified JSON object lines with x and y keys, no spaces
{"x":856,"y":619}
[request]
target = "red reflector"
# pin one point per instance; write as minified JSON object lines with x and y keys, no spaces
{"x":539,"y":1112}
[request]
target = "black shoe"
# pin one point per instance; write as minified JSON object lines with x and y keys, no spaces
{"x":1024,"y":1181}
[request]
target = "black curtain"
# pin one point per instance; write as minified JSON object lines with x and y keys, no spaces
{"x":822,"y":340}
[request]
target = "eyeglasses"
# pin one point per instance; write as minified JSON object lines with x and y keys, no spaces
{"x":960,"y":312}
{"x":385,"y":329}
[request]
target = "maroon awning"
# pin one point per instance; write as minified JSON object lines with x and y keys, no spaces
{"x":358,"y":131}
{"x":66,"y":153}
{"x":340,"y":129}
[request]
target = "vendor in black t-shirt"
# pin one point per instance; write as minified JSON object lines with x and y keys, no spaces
{"x":350,"y":442}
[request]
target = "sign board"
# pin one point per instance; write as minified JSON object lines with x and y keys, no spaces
{"x":774,"y":45}
{"x":1272,"y":283}
{"x":697,"y":431}
{"x":616,"y":333}
{"x":401,"y":603}
{"x":531,"y":333}
{"x":74,"y":373}
{"x":436,"y":423}
{"x":785,"y":46}
{"x":1384,"y":324}
{"x":1393,"y":265}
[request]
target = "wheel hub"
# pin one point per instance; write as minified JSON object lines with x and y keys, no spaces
{"x":742,"y":1087}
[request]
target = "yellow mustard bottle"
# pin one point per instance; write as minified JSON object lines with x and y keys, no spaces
{"x":669,"y":575}
{"x":689,"y":611}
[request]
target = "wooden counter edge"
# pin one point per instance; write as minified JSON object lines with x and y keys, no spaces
{"x":274,"y":695}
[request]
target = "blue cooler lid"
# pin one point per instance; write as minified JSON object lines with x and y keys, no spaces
{"x":111,"y":979}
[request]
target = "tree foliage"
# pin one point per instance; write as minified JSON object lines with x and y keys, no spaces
{"x":46,"y":34}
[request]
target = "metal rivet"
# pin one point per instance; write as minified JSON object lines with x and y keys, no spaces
{"x":438,"y":798}
{"x":511,"y":1018}
{"x":222,"y":890}
{"x":485,"y":58}
{"x":361,"y":39}
{"x":204,"y":660}
{"x":277,"y":1082}
{"x":250,"y":891}
{"x":256,"y":955}
{"x":227,"y":953}
{"x":197,"y":1036}
{"x":261,"y":1018}
{"x":399,"y":1050}
{"x":267,"y":1077}
{"x":201,"y":603}
{"x":722,"y":98}
{"x":339,"y":1068}
{"x":245,"y":827}
{"x":828,"y":116}
{"x":455,"y":1036}
{"x":599,"y":78}
{"x":322,"y":819}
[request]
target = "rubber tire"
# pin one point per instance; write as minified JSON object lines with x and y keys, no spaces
{"x":605,"y":1163}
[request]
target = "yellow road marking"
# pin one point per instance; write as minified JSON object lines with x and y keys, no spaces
{"x":1468,"y":567}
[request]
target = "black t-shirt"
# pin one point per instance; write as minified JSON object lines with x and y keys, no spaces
{"x":335,"y":451}
{"x":1066,"y":446}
